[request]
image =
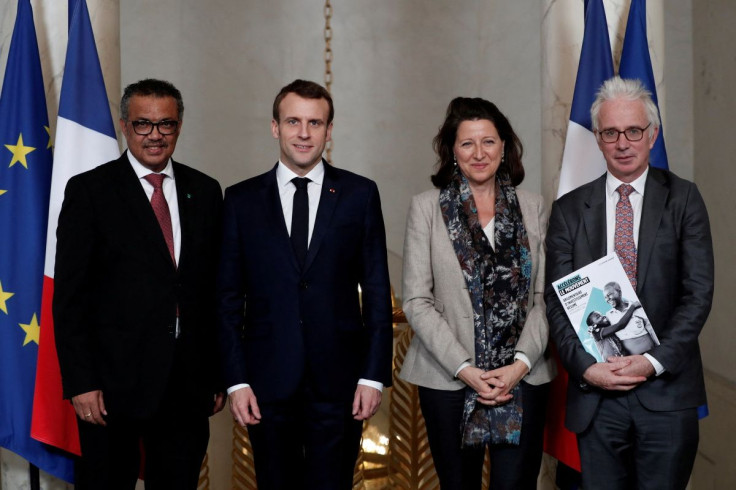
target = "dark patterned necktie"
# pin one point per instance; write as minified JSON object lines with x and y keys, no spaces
{"x":623,"y":242}
{"x":161,"y":210}
{"x":300,"y":219}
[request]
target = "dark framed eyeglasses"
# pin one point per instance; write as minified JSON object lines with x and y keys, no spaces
{"x":145,"y":127}
{"x":611,"y":135}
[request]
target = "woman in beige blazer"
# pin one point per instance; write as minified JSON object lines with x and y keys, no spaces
{"x":479,"y":353}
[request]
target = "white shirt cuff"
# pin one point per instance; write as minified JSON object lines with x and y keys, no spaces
{"x":658,"y":368}
{"x":237,"y":387}
{"x":462,"y":366}
{"x":522,"y":357}
{"x":372,"y":384}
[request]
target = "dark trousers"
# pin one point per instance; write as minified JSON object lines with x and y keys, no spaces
{"x":305,"y":443}
{"x":174,"y":442}
{"x":629,"y":447}
{"x":460,"y":468}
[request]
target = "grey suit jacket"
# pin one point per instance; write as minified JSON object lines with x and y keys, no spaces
{"x":437,"y":303}
{"x":674,"y":285}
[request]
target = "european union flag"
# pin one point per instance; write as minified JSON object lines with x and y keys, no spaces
{"x":25,"y":180}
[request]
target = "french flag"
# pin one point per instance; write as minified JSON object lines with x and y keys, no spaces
{"x":85,"y":138}
{"x":582,"y":161}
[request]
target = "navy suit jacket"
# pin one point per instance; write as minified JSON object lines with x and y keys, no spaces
{"x":674,"y":284}
{"x":117,"y":290}
{"x":281,"y":327}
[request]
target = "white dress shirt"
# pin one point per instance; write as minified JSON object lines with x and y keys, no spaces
{"x":169,"y":189}
{"x":637,"y":199}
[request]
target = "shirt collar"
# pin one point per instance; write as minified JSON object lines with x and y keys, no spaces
{"x":639,"y":184}
{"x":141,"y":171}
{"x":284,"y":175}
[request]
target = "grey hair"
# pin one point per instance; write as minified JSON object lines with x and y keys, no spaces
{"x":627,"y":89}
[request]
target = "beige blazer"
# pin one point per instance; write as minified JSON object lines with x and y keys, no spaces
{"x":437,"y":302}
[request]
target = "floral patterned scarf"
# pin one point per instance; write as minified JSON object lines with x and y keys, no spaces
{"x":498,"y":284}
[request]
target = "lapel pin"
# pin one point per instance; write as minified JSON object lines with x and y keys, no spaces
{"x":332,"y":190}
{"x":189,"y":196}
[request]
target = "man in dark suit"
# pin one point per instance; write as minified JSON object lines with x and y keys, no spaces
{"x":134,"y":305}
{"x":304,"y":361}
{"x":635,"y":416}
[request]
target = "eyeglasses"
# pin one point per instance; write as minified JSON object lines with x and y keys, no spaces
{"x":145,"y":127}
{"x":632,"y":134}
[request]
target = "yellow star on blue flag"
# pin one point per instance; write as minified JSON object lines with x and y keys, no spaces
{"x":4,"y":297}
{"x":19,"y":151}
{"x":32,"y":330}
{"x":24,"y":209}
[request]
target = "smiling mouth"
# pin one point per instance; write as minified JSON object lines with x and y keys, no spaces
{"x":302,"y":147}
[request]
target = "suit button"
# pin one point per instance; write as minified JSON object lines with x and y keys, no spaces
{"x":303,"y":285}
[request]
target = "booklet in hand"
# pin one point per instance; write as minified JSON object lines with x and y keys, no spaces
{"x":604,"y":310}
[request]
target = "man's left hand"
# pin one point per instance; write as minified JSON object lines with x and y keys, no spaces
{"x":366,"y":402}
{"x":638,"y":366}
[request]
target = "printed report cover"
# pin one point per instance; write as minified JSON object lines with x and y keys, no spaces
{"x":605,"y":311}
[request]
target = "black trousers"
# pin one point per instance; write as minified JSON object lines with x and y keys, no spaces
{"x":174,"y":442}
{"x":305,"y":443}
{"x":512,"y":467}
{"x":174,"y":449}
{"x":629,"y":447}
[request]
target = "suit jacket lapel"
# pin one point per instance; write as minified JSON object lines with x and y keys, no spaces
{"x":656,"y":193}
{"x":327,"y":203}
{"x":186,"y":197}
{"x":594,"y":216}
{"x":134,"y":198}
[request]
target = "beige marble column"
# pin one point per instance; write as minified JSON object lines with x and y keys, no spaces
{"x":50,"y":18}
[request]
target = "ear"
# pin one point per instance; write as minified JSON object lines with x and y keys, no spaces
{"x":275,"y":128}
{"x":329,"y":132}
{"x":653,"y":139}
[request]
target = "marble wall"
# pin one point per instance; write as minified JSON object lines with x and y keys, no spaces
{"x":396,"y":66}
{"x":714,"y":73}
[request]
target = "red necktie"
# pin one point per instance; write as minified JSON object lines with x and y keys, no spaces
{"x":161,"y":209}
{"x":623,"y":242}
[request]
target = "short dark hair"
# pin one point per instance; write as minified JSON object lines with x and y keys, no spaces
{"x":307,"y":90}
{"x":150,"y":87}
{"x":589,"y":320}
{"x":472,"y":109}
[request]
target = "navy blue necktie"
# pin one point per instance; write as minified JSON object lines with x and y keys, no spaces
{"x":300,"y":219}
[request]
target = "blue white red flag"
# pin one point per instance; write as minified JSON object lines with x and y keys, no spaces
{"x":85,"y":138}
{"x":582,"y":160}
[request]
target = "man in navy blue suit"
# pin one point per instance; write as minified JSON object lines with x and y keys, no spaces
{"x":305,"y":363}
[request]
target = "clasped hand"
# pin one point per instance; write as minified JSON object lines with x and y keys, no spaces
{"x":619,"y":373}
{"x":494,"y":386}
